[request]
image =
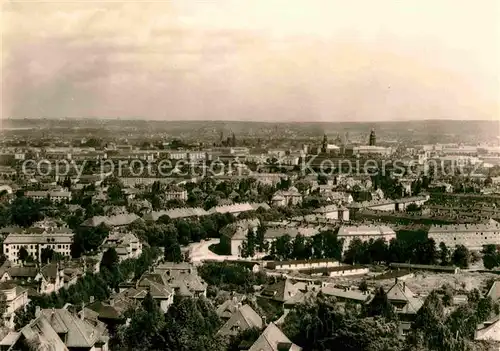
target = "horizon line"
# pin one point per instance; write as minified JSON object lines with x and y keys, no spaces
{"x":243,"y":121}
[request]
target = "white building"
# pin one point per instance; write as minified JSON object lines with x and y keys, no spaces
{"x":16,"y":297}
{"x":34,"y":243}
{"x":333,"y":212}
{"x":365,"y":233}
{"x":56,"y":196}
{"x":127,"y":245}
{"x":472,"y":236}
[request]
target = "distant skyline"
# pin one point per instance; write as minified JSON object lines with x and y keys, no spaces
{"x":252,"y":60}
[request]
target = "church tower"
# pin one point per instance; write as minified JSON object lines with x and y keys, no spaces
{"x":373,"y":138}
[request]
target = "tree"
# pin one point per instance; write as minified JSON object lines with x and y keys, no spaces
{"x":283,"y":247}
{"x":299,"y":251}
{"x":23,"y":254}
{"x":461,"y":256}
{"x":109,"y":259}
{"x":248,"y":246}
{"x":172,"y":249}
{"x":363,"y":286}
{"x":491,"y":258}
{"x":380,"y":305}
{"x":260,"y":241}
{"x":355,"y":253}
{"x":444,"y":254}
{"x":46,"y":255}
{"x":3,"y":304}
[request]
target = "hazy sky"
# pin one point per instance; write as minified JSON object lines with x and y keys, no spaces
{"x":267,"y":60}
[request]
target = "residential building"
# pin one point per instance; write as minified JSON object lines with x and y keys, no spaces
{"x":273,"y":339}
{"x":119,"y":220}
{"x":173,"y":192}
{"x":489,"y":332}
{"x":279,"y":292}
{"x":126,"y":244}
{"x":405,"y":303}
{"x":347,"y":295}
{"x":234,"y":209}
{"x":365,"y":233}
{"x":34,"y":243}
{"x":56,"y":196}
{"x":233,"y":235}
{"x":16,"y":297}
{"x":242,"y":319}
{"x":302,"y":264}
{"x":60,"y":330}
{"x":183,"y":212}
{"x":289,"y":197}
{"x":333,"y":212}
{"x":472,"y":236}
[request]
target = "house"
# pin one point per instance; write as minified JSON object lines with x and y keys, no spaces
{"x":182,"y":276}
{"x":273,"y":339}
{"x":402,"y":204}
{"x":16,"y":297}
{"x":472,"y":236}
{"x":489,"y":332}
{"x":60,"y":330}
{"x":173,"y":192}
{"x":126,"y":244}
{"x":333,"y":212}
{"x":289,"y":197}
{"x":347,"y":295}
{"x":233,"y":235}
{"x":494,"y":292}
{"x":56,"y":196}
{"x":230,"y":306}
{"x":365,"y":233}
{"x":163,"y":294}
{"x":51,"y":277}
{"x":279,"y":292}
{"x":112,"y":312}
{"x":405,"y":303}
{"x":242,"y":319}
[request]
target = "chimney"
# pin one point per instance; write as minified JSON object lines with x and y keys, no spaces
{"x":239,"y":305}
{"x":404,"y":286}
{"x":264,"y":321}
{"x":92,"y":299}
{"x":37,"y":311}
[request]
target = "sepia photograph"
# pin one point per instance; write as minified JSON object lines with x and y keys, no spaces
{"x":250,"y":175}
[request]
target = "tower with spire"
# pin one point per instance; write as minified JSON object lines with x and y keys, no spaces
{"x":373,"y":138}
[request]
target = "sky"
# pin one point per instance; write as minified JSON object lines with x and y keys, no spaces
{"x":257,"y":60}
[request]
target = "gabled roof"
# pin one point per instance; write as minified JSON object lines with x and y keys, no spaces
{"x":118,"y":220}
{"x":490,"y":332}
{"x":23,"y":272}
{"x":400,"y":292}
{"x":281,"y":291}
{"x":494,"y":292}
{"x":244,"y":318}
{"x":80,"y":333}
{"x":271,"y":338}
